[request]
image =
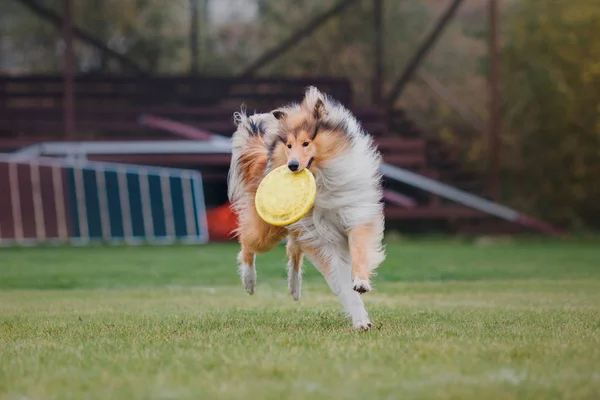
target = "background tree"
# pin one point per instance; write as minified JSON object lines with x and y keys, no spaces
{"x":551,"y":75}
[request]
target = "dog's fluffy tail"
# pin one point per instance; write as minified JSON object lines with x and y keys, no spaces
{"x":249,"y":156}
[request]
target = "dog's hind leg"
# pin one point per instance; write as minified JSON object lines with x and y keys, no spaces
{"x":255,"y":236}
{"x":247,"y":260}
{"x":295,"y":254}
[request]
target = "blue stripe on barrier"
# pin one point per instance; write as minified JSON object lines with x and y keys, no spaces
{"x":114,"y":204}
{"x":135,"y":205}
{"x":178,"y":207}
{"x":157,"y":206}
{"x":198,"y":227}
{"x":92,"y":204}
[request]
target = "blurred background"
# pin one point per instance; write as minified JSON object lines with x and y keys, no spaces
{"x":496,"y":98}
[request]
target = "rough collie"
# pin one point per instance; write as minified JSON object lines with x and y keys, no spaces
{"x":342,"y":234}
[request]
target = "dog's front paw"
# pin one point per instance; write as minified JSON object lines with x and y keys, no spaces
{"x":361,"y":285}
{"x":363,"y":325}
{"x":248,"y":275}
{"x":295,"y":284}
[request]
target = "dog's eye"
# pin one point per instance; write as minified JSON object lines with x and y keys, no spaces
{"x":305,"y":144}
{"x":289,"y":146}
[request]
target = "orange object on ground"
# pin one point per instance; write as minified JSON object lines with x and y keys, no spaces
{"x":222,"y":222}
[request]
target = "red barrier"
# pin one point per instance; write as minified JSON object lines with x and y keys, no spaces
{"x":222,"y":223}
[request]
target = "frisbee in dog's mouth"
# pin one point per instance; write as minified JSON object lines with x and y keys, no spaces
{"x":284,"y":197}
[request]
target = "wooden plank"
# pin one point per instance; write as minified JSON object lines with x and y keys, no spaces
{"x":405,"y":160}
{"x":400,"y":144}
{"x":441,"y":212}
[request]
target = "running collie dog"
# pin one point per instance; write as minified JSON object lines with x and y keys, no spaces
{"x":342,"y":234}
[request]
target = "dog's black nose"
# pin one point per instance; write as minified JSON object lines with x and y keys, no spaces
{"x":293,"y":165}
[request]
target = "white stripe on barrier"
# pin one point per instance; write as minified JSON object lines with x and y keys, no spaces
{"x":146,"y":205}
{"x":59,"y":202}
{"x":165,"y":186}
{"x":15,"y":199}
{"x":186,"y":186}
{"x":200,"y":208}
{"x":125,"y":205}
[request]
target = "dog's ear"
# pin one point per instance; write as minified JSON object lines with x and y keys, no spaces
{"x":279,"y":114}
{"x":319,"y":109}
{"x":314,"y":102}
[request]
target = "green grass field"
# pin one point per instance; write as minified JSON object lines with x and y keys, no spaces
{"x":453,"y":320}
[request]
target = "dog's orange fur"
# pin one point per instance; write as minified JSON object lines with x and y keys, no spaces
{"x":359,"y":241}
{"x":253,"y":162}
{"x":254,"y":234}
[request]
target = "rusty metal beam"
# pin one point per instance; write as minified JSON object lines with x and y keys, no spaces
{"x":377,"y":82}
{"x":296,"y":37}
{"x":494,"y":103}
{"x":194,"y":37}
{"x":421,"y":52}
{"x":57,"y":21}
{"x":68,"y":72}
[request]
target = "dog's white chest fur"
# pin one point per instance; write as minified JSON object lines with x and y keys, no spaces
{"x":348,"y":195}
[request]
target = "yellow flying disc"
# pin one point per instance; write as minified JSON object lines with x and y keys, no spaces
{"x":284,"y":197}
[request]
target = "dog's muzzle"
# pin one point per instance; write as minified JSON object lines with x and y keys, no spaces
{"x":293,"y":165}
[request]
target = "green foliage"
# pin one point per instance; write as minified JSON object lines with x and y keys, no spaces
{"x":551,"y":73}
{"x":144,"y":30}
